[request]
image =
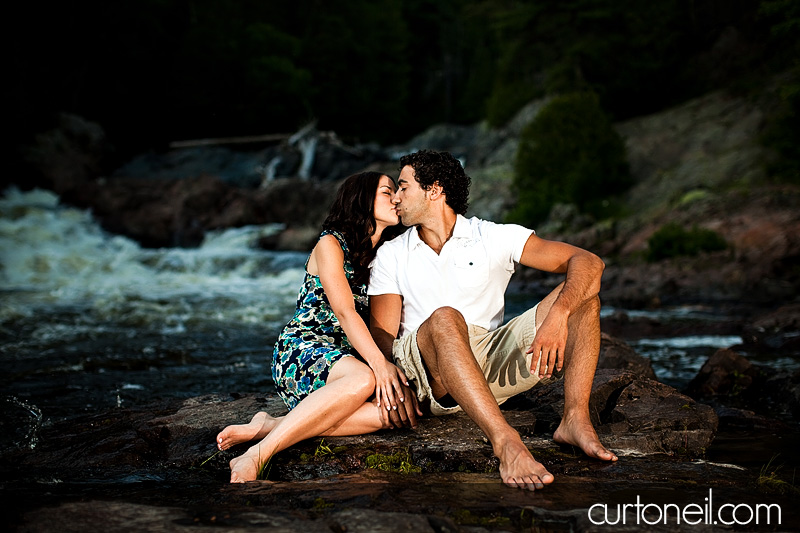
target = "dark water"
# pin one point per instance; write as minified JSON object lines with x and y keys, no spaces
{"x":91,"y":322}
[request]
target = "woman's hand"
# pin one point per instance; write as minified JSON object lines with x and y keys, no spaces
{"x":387,"y":385}
{"x":396,"y":401}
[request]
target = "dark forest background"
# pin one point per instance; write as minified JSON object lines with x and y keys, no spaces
{"x":155,"y":71}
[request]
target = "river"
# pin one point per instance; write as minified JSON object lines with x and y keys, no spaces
{"x":90,"y":320}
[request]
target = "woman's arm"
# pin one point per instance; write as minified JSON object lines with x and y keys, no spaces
{"x":327,"y":259}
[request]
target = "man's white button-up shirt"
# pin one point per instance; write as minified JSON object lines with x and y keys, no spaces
{"x":470,"y":273}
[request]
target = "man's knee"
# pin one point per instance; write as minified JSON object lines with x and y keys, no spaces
{"x":446,"y":317}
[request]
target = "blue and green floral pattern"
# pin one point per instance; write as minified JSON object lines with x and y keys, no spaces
{"x":313,"y":340}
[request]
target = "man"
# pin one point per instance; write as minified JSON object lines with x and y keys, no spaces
{"x":436,"y":304}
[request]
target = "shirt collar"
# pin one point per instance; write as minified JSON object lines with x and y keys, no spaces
{"x":461,"y":230}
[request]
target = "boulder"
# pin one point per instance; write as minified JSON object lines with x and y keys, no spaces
{"x":618,"y":355}
{"x":725,"y":373}
{"x":180,"y":212}
{"x":778,"y":329}
{"x":729,"y":379}
{"x":74,"y":152}
{"x":631,"y":413}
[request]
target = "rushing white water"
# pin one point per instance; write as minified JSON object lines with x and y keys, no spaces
{"x":70,"y":289}
{"x":57,"y":257}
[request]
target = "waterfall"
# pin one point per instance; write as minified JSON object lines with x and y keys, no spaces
{"x":55,"y":257}
{"x":308,"y":147}
{"x":269,"y":171}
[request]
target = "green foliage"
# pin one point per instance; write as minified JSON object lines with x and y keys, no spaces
{"x":625,"y":51}
{"x":467,"y":518}
{"x":770,"y":480}
{"x":783,"y":133}
{"x":162,"y":70}
{"x":672,"y":240}
{"x":399,"y":462}
{"x":357,"y":56}
{"x":570,"y":153}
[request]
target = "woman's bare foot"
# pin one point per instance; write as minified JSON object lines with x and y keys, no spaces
{"x":245,"y":467}
{"x":581,"y":433}
{"x":258,"y":428}
{"x":519,"y":469}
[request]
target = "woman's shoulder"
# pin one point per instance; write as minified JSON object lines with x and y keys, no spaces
{"x":336,"y":235}
{"x":331,"y":241}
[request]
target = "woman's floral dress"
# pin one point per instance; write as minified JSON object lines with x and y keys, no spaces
{"x":313,"y":340}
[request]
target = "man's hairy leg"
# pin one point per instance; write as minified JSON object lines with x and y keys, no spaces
{"x":580,"y":361}
{"x":443,"y":342}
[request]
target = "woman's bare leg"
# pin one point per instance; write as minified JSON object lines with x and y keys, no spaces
{"x":323,"y":412}
{"x":364,"y":420}
{"x":258,"y":428}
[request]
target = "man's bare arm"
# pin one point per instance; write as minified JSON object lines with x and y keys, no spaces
{"x":384,"y":320}
{"x":583,"y":272}
{"x":385,"y":313}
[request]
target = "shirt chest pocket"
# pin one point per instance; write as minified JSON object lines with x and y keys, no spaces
{"x":470,"y":269}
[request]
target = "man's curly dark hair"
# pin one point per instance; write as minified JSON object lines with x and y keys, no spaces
{"x":441,"y":167}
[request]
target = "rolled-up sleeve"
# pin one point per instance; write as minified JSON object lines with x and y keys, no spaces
{"x":383,"y":275}
{"x":507,"y":242}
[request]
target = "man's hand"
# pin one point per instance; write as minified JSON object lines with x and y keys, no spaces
{"x":406,"y":413}
{"x":549,"y":343}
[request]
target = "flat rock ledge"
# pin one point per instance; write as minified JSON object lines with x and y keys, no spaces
{"x":157,"y":468}
{"x":633,"y":415}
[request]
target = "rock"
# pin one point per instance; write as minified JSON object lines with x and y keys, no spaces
{"x":71,"y":154}
{"x":252,"y":165}
{"x":490,"y":197}
{"x":729,"y":379}
{"x":651,"y":417}
{"x":775,"y":330}
{"x":239,"y":168}
{"x":616,"y":354}
{"x":156,"y":468}
{"x":725,"y":373}
{"x":122,"y":516}
{"x":734,"y":418}
{"x":181,"y":212}
{"x":632,"y":413}
{"x":702,"y":143}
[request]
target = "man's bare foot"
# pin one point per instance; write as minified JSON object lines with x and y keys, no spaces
{"x":582,"y":434}
{"x":258,"y":428}
{"x":519,"y":469}
{"x":245,"y":467}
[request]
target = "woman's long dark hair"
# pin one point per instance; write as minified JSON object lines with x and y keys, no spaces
{"x":353,"y":215}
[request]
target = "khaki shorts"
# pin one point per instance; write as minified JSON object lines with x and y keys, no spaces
{"x":500,"y":354}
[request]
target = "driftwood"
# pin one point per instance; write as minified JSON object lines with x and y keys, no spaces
{"x":272,"y":137}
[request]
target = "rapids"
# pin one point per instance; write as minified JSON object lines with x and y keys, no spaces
{"x":90,"y":320}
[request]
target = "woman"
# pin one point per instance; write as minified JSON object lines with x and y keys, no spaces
{"x":326,"y":366}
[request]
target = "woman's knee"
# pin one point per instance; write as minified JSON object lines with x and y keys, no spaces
{"x":359,"y":376}
{"x":361,"y":382}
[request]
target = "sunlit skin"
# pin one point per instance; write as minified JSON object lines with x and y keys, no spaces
{"x":356,"y":396}
{"x":572,"y":307}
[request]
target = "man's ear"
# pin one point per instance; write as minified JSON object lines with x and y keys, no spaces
{"x":436,"y":191}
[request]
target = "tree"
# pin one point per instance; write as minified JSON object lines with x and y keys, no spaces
{"x":570,"y":153}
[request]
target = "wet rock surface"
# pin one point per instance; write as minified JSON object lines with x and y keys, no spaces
{"x":728,"y":378}
{"x":157,"y":468}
